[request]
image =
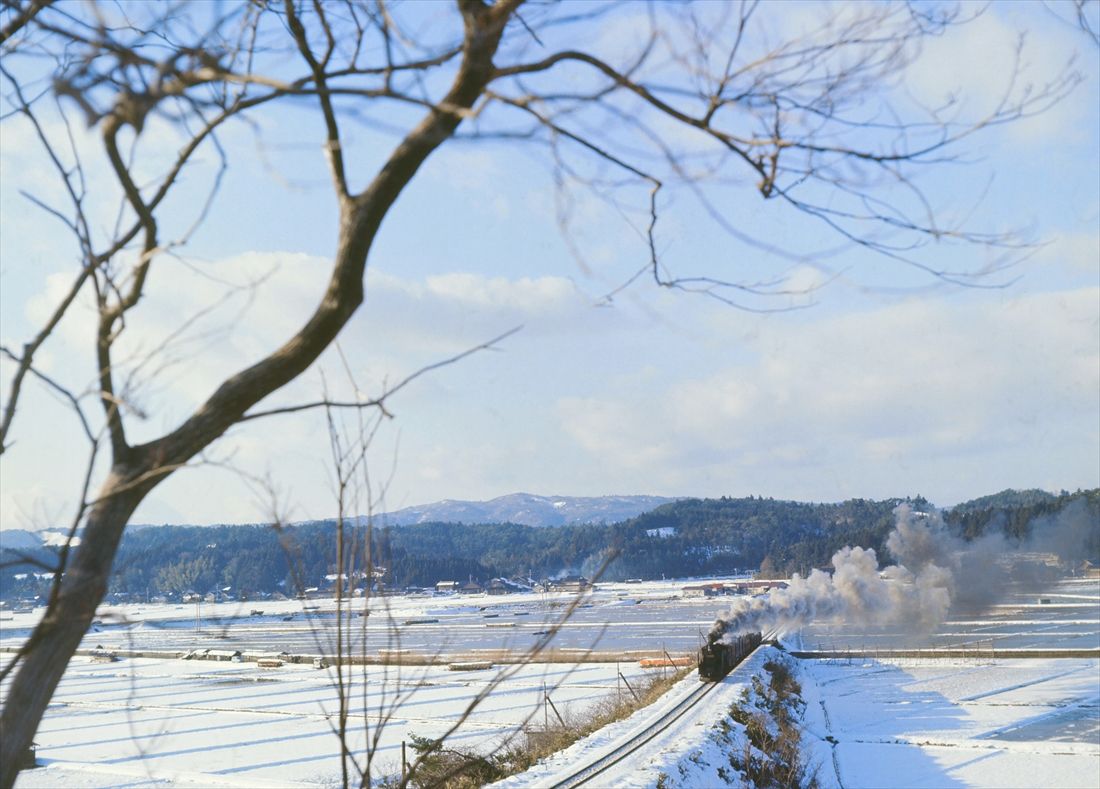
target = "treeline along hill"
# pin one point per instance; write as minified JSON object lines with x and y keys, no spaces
{"x":690,"y":537}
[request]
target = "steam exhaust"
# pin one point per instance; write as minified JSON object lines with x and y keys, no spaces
{"x":932,"y":570}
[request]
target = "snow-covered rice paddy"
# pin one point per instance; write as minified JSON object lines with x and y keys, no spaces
{"x":618,"y":618}
{"x":145,"y":721}
{"x":955,"y":723}
{"x":932,"y":722}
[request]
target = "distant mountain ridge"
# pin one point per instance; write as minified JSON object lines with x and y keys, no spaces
{"x":681,"y":538}
{"x":528,"y":509}
{"x":525,"y":509}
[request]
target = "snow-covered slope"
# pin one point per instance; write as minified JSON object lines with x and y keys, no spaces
{"x":20,"y":540}
{"x":29,"y":541}
{"x":530,"y":510}
{"x":688,"y":743}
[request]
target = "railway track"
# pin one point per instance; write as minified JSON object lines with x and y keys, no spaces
{"x":645,"y":735}
{"x":650,"y":732}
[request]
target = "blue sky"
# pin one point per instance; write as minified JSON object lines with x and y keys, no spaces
{"x":888,"y":383}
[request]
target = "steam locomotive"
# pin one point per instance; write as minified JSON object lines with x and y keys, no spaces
{"x":716,"y":658}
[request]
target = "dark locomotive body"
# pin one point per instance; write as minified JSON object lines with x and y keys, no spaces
{"x":717,"y":658}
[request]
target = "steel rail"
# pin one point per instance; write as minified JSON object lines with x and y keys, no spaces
{"x":647,"y":734}
{"x":650,"y":732}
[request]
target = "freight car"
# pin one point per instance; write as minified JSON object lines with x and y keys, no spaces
{"x":717,"y":658}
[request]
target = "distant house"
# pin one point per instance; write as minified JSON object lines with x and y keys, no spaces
{"x":447,"y":586}
{"x":570,"y":583}
{"x":757,"y":585}
{"x":471,"y":587}
{"x":1090,"y":568}
{"x":506,"y":586}
{"x":703,"y":590}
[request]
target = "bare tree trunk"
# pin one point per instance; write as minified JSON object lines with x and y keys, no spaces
{"x":137,"y":470}
{"x":59,"y":632}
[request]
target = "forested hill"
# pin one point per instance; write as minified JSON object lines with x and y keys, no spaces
{"x":690,"y":537}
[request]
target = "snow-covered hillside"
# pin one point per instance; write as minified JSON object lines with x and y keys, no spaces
{"x":530,"y":510}
{"x":29,"y":541}
{"x":20,"y":540}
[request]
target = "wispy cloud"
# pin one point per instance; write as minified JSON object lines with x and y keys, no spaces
{"x":885,"y":396}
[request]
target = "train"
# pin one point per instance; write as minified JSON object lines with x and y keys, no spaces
{"x":717,"y":657}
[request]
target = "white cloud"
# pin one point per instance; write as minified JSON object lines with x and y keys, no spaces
{"x":1078,"y":253}
{"x":1006,"y":51}
{"x":404,"y":325}
{"x":964,"y":392}
{"x":448,"y":313}
{"x":270,"y":295}
{"x":906,"y":386}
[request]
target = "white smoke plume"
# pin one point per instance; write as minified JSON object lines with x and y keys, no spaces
{"x":933,"y":570}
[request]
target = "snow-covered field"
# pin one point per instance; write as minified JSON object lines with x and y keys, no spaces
{"x":616,"y":618}
{"x":875,"y":724}
{"x":145,"y":721}
{"x":141,"y":722}
{"x":918,"y":722}
{"x":954,"y":723}
{"x":933,"y":722}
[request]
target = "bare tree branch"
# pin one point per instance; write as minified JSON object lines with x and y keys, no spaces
{"x":22,"y":16}
{"x":380,"y":401}
{"x":708,"y":102}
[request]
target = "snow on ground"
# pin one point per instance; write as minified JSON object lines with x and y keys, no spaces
{"x":928,"y":722}
{"x":954,"y":723}
{"x":404,"y":605}
{"x":141,"y":722}
{"x":879,"y":724}
{"x":687,"y":737}
{"x":616,"y":618}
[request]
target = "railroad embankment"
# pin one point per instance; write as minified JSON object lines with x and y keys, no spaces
{"x":713,"y":734}
{"x":757,"y":741}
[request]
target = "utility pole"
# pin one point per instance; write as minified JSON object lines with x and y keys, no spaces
{"x":668,"y":657}
{"x":627,"y":682}
{"x":555,"y":709}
